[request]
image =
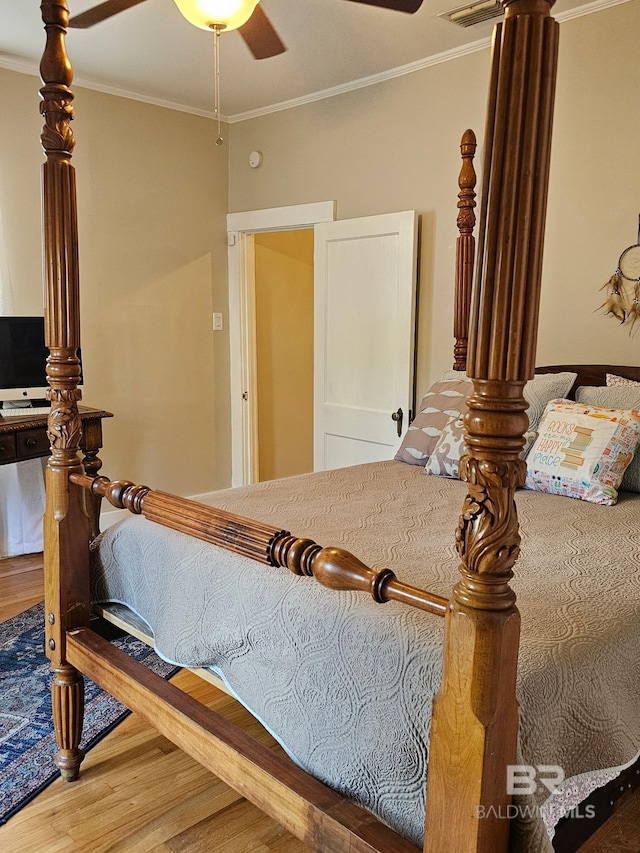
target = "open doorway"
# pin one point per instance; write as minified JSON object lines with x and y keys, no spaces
{"x":362,"y":353}
{"x":284,"y":352}
{"x":243,"y":230}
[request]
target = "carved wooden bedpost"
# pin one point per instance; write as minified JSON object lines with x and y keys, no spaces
{"x":465,"y":250}
{"x":66,"y":523}
{"x":475,"y":720}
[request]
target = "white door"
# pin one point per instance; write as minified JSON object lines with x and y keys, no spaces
{"x":365,"y":296}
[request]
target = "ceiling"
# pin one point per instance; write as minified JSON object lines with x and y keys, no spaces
{"x":150,"y":52}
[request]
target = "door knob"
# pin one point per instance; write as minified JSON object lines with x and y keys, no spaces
{"x":397,"y":417}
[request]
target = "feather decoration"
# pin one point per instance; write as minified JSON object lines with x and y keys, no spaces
{"x":633,"y":315}
{"x":614,"y":304}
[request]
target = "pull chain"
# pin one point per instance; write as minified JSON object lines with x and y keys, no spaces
{"x":216,"y":78}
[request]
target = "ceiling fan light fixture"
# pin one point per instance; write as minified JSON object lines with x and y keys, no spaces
{"x":223,"y":14}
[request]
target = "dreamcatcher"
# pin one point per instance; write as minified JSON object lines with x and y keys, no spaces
{"x":623,"y":301}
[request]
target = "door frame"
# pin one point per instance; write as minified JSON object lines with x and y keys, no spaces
{"x":241,"y":227}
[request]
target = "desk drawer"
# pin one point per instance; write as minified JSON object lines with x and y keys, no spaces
{"x":32,"y":443}
{"x":7,"y":448}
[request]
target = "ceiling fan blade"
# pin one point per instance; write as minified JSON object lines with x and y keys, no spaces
{"x":410,"y":6}
{"x":100,"y":13}
{"x":260,"y":36}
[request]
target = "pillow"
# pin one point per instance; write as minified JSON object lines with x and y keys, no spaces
{"x":454,"y":374}
{"x":443,"y":400}
{"x":619,"y":397}
{"x":582,"y":451}
{"x":451,"y":446}
{"x":613,"y":380}
{"x":537,"y":392}
{"x":543,"y":388}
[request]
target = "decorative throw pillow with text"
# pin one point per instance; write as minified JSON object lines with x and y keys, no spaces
{"x":582,"y":451}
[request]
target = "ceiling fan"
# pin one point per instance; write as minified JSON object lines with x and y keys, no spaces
{"x":247,"y":16}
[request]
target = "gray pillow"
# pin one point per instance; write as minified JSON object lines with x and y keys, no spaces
{"x":543,"y":388}
{"x":448,"y":375}
{"x":616,"y":397}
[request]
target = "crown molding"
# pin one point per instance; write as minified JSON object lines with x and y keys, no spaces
{"x":26,"y":67}
{"x":410,"y":68}
{"x":23,"y":66}
{"x":145,"y":99}
{"x":364,"y":82}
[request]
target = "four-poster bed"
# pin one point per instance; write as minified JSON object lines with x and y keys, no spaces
{"x":472,"y":735}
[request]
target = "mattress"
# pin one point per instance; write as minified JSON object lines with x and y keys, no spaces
{"x":345,"y":684}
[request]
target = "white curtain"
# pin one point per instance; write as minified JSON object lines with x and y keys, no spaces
{"x":21,"y":484}
{"x":21,"y":508}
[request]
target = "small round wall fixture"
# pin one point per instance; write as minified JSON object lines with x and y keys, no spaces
{"x":255,"y":159}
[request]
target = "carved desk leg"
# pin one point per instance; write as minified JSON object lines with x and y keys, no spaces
{"x":92,"y":464}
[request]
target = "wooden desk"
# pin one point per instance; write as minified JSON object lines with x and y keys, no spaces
{"x":26,"y":438}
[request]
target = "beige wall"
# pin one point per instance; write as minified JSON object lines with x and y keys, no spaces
{"x":284,"y":351}
{"x":152,"y":200}
{"x":594,"y":197}
{"x":376,"y":150}
{"x":20,"y":159}
{"x":154,"y":191}
{"x":394,"y":147}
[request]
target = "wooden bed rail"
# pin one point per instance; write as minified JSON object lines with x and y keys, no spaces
{"x":306,"y":807}
{"x":332,"y":567}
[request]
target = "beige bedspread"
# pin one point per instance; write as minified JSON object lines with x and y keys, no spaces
{"x":345,"y":684}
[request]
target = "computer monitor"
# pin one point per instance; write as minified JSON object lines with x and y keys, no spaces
{"x":23,"y":357}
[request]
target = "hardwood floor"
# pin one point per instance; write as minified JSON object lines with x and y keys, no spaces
{"x":21,"y":584}
{"x":138,"y":793}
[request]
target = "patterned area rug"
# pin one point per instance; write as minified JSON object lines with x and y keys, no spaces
{"x":27,"y":741}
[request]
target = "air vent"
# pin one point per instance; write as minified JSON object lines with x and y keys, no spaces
{"x":476,"y":13}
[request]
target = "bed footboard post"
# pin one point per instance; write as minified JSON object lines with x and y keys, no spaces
{"x":475,"y":714}
{"x":66,"y":527}
{"x":465,"y":250}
